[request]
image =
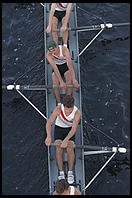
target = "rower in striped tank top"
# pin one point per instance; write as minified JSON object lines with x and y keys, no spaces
{"x":62,"y":70}
{"x":63,"y":188}
{"x":59,"y":12}
{"x":66,"y":117}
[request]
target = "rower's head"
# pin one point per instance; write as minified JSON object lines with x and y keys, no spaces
{"x":51,"y":46}
{"x":61,"y":186}
{"x":68,"y":101}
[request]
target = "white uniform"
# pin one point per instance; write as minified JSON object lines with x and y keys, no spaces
{"x":72,"y":190}
{"x":59,"y":60}
{"x":61,"y":6}
{"x":65,"y":121}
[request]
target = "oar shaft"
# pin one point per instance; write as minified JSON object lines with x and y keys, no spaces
{"x":31,"y":87}
{"x":95,"y":27}
{"x":120,"y":24}
{"x":42,"y":4}
{"x":96,"y":148}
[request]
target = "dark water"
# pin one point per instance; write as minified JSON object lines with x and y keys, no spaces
{"x":105,"y":76}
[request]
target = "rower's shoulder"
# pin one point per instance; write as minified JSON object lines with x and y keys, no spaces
{"x":57,"y":109}
{"x":55,"y":193}
{"x":48,"y":54}
{"x":55,"y":112}
{"x":65,"y":50}
{"x":78,"y":112}
{"x":77,"y":192}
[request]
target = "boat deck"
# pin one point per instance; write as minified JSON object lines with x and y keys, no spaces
{"x":51,"y":104}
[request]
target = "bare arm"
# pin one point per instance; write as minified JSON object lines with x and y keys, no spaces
{"x":53,"y":116}
{"x":68,"y":12}
{"x":54,"y":67}
{"x":52,"y":10}
{"x":73,"y":129}
{"x":66,"y":53}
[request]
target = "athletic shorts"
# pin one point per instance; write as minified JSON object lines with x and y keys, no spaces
{"x":60,"y":133}
{"x":62,"y":69}
{"x":59,"y":15}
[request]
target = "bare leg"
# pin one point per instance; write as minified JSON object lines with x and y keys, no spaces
{"x":64,"y":34}
{"x":68,"y":82}
{"x":59,"y":158}
{"x":56,"y":90}
{"x":54,"y":27}
{"x":70,"y":156}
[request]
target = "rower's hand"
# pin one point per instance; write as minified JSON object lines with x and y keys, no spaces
{"x":62,"y":85}
{"x":63,"y":28}
{"x":64,"y":144}
{"x":48,"y":29}
{"x":75,"y":84}
{"x":48,"y":141}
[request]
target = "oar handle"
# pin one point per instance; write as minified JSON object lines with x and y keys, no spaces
{"x":58,"y":144}
{"x":94,"y":27}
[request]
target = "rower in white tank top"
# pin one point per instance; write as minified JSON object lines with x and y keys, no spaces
{"x":65,"y":121}
{"x":72,"y":190}
{"x":59,"y":60}
{"x":61,"y":6}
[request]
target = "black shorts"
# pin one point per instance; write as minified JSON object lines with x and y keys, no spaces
{"x":60,"y":133}
{"x":59,"y":15}
{"x":62,"y":69}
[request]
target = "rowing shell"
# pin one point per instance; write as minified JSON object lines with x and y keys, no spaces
{"x":51,"y":104}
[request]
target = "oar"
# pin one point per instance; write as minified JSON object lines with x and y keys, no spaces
{"x":94,"y":27}
{"x":31,"y":87}
{"x":96,"y":148}
{"x":42,"y":4}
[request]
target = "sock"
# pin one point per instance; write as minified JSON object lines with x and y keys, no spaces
{"x":61,"y":172}
{"x":70,"y":177}
{"x":65,"y":45}
{"x":70,"y":172}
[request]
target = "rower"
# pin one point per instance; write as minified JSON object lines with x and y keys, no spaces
{"x":60,"y":61}
{"x":63,"y":188}
{"x":60,"y":12}
{"x":67,"y":117}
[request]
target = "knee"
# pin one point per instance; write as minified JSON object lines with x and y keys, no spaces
{"x":54,"y":79}
{"x":68,"y":77}
{"x":63,"y":20}
{"x":58,"y":148}
{"x":68,"y":81}
{"x":54,"y":24}
{"x":70,"y":149}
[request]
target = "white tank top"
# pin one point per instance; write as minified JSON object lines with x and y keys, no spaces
{"x":72,"y":190}
{"x":61,"y":6}
{"x":65,"y":121}
{"x":59,"y":60}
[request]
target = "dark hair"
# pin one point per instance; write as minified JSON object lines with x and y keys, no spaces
{"x":51,"y":44}
{"x":68,"y":101}
{"x":61,"y":186}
